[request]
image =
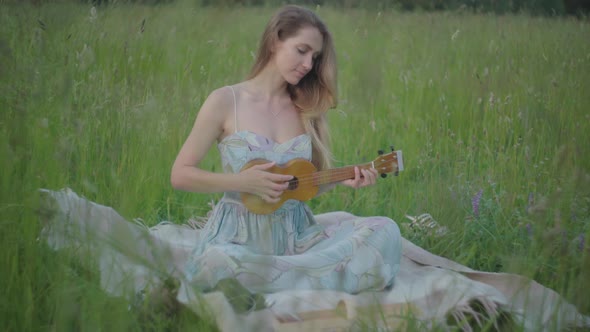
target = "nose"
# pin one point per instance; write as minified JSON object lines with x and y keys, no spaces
{"x":308,"y":62}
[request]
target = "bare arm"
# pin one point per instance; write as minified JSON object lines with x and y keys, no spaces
{"x":208,"y":127}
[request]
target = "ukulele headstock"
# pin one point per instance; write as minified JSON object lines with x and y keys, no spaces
{"x":391,"y":162}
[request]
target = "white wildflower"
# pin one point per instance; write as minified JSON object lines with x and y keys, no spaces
{"x":85,"y":57}
{"x":425,"y":223}
{"x":93,"y":14}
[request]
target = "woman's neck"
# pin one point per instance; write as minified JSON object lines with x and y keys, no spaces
{"x":269,"y":83}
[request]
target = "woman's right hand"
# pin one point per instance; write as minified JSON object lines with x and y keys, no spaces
{"x":257,"y":180}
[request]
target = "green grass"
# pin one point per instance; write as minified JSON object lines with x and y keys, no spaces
{"x":477,"y":103}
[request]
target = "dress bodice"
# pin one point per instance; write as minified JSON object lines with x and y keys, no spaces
{"x":242,"y":146}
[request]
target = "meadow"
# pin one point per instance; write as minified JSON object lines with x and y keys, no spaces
{"x":492,"y":114}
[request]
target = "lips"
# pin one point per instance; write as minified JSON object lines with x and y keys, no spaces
{"x":300,"y":74}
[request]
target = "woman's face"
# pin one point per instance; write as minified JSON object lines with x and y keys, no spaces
{"x":294,"y":56}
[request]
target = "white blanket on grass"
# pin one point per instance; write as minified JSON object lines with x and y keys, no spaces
{"x":428,"y":292}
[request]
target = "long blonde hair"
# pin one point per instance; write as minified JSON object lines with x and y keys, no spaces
{"x":316,"y":92}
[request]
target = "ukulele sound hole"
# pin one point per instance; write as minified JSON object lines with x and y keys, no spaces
{"x":293,"y":184}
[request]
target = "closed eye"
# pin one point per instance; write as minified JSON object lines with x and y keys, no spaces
{"x":305,"y":49}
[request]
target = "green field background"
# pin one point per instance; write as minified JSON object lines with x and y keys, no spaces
{"x":492,"y":114}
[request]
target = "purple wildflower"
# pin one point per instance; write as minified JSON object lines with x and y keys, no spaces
{"x":581,"y":242}
{"x":475,"y":203}
{"x":531,"y":199}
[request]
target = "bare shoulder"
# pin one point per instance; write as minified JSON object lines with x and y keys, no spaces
{"x":216,"y":111}
{"x":219,"y":101}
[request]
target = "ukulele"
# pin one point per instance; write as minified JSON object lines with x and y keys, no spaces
{"x":307,"y":179}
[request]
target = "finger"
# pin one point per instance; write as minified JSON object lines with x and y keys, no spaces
{"x":274,"y":194}
{"x":354,"y":182}
{"x":366,"y":178}
{"x":363,"y":180}
{"x":264,"y":166}
{"x":280,"y":177}
{"x":280,"y":186}
{"x":275,"y":188}
{"x":269,"y":199}
{"x":369,"y":176}
{"x":357,"y":174}
{"x":375,"y":173}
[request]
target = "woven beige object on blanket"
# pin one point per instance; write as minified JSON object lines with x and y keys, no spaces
{"x":429,"y":290}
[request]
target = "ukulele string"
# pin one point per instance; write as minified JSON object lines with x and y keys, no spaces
{"x":331,"y":176}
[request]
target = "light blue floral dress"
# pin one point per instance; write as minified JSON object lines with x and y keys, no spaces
{"x":290,"y":249}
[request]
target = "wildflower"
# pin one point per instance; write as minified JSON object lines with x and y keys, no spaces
{"x":581,"y":242}
{"x":93,"y":14}
{"x":475,"y":203}
{"x":426,"y":225}
{"x":85,"y":57}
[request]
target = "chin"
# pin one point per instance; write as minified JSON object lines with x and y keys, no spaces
{"x":294,"y":78}
{"x":293,"y":81}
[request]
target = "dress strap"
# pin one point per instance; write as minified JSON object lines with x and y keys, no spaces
{"x":235,"y":109}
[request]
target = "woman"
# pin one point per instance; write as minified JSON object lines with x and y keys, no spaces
{"x":278,"y":114}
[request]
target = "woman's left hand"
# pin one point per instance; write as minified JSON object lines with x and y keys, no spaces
{"x":362,"y":178}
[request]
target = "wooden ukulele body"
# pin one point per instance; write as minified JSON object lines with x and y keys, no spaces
{"x":303,"y":187}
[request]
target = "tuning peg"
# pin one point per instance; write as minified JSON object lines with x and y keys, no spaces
{"x":384,"y":175}
{"x":380,"y":152}
{"x":392,"y":148}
